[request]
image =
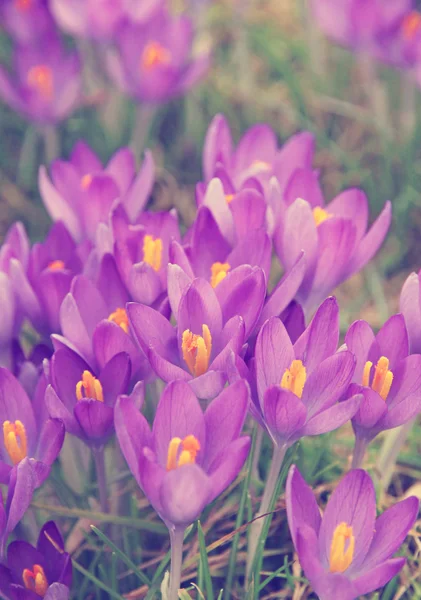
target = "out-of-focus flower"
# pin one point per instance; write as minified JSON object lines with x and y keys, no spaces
{"x":346,"y":553}
{"x":410,"y":307}
{"x":41,"y":572}
{"x":27,"y":21}
{"x":190,"y":457}
{"x":206,"y":333}
{"x":25,"y":434}
{"x":140,"y":11}
{"x":388,"y":379}
{"x":334,"y":238}
{"x":297,"y":387}
{"x":81,"y":191}
{"x":95,"y":19}
{"x":256,"y":158}
{"x":153,"y":61}
{"x":45,"y":85}
{"x":84,"y":400}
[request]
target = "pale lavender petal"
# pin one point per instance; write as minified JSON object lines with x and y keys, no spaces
{"x":301,"y":505}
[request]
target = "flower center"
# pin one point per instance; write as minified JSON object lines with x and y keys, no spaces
{"x":294,"y":378}
{"x":341,"y":549}
{"x":320,"y":215}
{"x":56,"y":265}
{"x":120,"y":318}
{"x":152,"y":251}
{"x":182,"y":452}
{"x":197,"y":350}
{"x":35,"y":580}
{"x":382,"y":379}
{"x":229,"y":198}
{"x":218,"y":272}
{"x":89,"y":387}
{"x":15,"y":441}
{"x":411,"y":25}
{"x":86,"y":181}
{"x":23,"y":5}
{"x":40,"y":78}
{"x":154,"y":55}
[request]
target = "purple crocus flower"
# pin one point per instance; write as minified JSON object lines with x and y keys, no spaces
{"x":388,"y":379}
{"x":297,"y":386}
{"x":26,"y":434}
{"x":256,"y":158}
{"x":44,"y":571}
{"x":334,"y":238}
{"x":359,"y":24}
{"x":95,"y":19}
{"x":81,"y":191}
{"x":84,"y":399}
{"x":206,"y":332}
{"x":410,"y":307}
{"x":152,"y":61}
{"x":27,"y":21}
{"x":46,"y":86}
{"x":189,"y":457}
{"x":22,"y":484}
{"x":346,"y":553}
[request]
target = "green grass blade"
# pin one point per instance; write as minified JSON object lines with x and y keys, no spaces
{"x":204,"y":563}
{"x":98,"y":583}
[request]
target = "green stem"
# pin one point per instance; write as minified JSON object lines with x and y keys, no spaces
{"x":359,"y":453}
{"x":99,"y":457}
{"x":145,"y":114}
{"x":51,"y":143}
{"x":176,"y":537}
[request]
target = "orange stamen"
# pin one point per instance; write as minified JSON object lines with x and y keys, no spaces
{"x":23,"y":5}
{"x":219,"y":272}
{"x":120,"y":318}
{"x":382,"y":379}
{"x":229,"y":198}
{"x":154,"y":55}
{"x":35,"y":580}
{"x":340,"y":559}
{"x":40,"y":78}
{"x":411,"y":25}
{"x":190,"y":446}
{"x":89,"y":387}
{"x":294,"y":378}
{"x":197,"y":350}
{"x":86,"y":181}
{"x":15,"y":441}
{"x":320,"y":215}
{"x":152,"y":251}
{"x":56,"y":265}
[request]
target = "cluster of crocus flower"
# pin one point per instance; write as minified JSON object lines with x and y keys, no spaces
{"x":119,"y":297}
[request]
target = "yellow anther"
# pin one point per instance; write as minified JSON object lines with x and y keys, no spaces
{"x":41,"y":79}
{"x":218,"y":272}
{"x":197,"y":350}
{"x":35,"y":580}
{"x":23,"y":5}
{"x":120,"y":318}
{"x":294,"y":378}
{"x":189,"y":446}
{"x":411,"y":25}
{"x":341,"y":557}
{"x":320,"y":215}
{"x":152,"y":251}
{"x":15,"y":441}
{"x":382,"y":379}
{"x":86,"y":181}
{"x":89,"y":387}
{"x":258,"y":166}
{"x":154,"y":55}
{"x":229,"y":198}
{"x":56,"y":265}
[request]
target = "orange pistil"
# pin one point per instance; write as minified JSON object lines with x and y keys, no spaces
{"x":219,"y":272}
{"x":197,"y":350}
{"x":154,"y":55}
{"x":411,"y":25}
{"x":23,"y":5}
{"x":382,"y":379}
{"x":56,"y":265}
{"x":152,"y":251}
{"x":89,"y":387}
{"x":120,"y":318}
{"x":229,"y":198}
{"x":320,"y":215}
{"x":40,"y":78}
{"x":190,"y":446}
{"x":86,"y":181}
{"x":35,"y":580}
{"x":340,"y":559}
{"x":294,"y":378}
{"x":15,"y":442}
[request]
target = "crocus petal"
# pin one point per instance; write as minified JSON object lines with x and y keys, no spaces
{"x":371,"y":410}
{"x":301,"y":505}
{"x":215,"y":200}
{"x":115,"y":377}
{"x":178,"y":256}
{"x":406,"y":380}
{"x":95,"y":419}
{"x":50,"y":441}
{"x":217,"y":146}
{"x":257,"y":144}
{"x":144,"y":283}
{"x":199,"y":306}
{"x":359,"y":339}
{"x":284,"y":413}
{"x":137,"y":196}
{"x":132,"y":431}
{"x":208,"y":385}
{"x":274,"y":354}
{"x":178,"y":282}
{"x":57,"y":591}
{"x":184,"y":493}
{"x":400,"y":413}
{"x":410,"y":307}
{"x":378,"y":576}
{"x":110,"y":339}
{"x":57,"y":410}
{"x":151,"y":329}
{"x":178,"y":415}
{"x":304,"y":183}
{"x":227,"y":465}
{"x":353,"y":502}
{"x":391,"y":341}
{"x":19,"y":496}
{"x":248,"y":209}
{"x":331,"y":418}
{"x":207,"y":244}
{"x":20,"y":556}
{"x":306,"y":544}
{"x":56,"y":205}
